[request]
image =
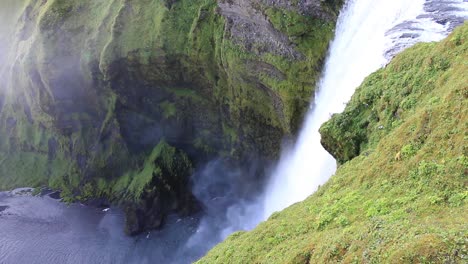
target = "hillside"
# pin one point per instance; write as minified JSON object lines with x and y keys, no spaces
{"x":399,"y":195}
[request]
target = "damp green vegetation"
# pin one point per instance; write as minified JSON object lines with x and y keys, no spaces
{"x":296,"y":82}
{"x":94,"y":95}
{"x":399,"y":195}
{"x":164,"y":164}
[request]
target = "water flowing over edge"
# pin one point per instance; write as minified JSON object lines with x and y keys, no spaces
{"x":369,"y":33}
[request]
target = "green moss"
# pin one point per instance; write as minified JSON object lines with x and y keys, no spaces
{"x":376,"y":110}
{"x":378,"y":208}
{"x":311,"y":36}
{"x":169,"y":109}
{"x":56,"y":12}
{"x":163,"y":162}
{"x":189,"y":94}
{"x":91,"y":76}
{"x":288,"y":21}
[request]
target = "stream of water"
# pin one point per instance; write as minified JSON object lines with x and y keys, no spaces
{"x":40,"y":229}
{"x":368,"y":34}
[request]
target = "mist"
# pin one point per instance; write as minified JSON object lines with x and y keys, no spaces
{"x":81,"y":234}
{"x":231,"y":198}
{"x":365,"y":41}
{"x":10,"y":11}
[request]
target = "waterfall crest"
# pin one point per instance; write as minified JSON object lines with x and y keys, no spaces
{"x":368,"y":34}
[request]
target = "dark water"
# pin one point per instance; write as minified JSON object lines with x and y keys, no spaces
{"x":43,"y":230}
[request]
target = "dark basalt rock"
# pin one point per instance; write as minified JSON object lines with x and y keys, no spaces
{"x":151,"y":211}
{"x":53,"y":194}
{"x":168,"y":191}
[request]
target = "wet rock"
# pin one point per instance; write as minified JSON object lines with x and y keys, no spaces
{"x":55,"y":195}
{"x":98,"y":202}
{"x":52,"y":148}
{"x":48,"y":192}
{"x":167,"y":192}
{"x":22,"y":191}
{"x":248,"y":26}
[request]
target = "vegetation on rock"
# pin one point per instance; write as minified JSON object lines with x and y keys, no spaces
{"x":399,"y":195}
{"x":90,"y":88}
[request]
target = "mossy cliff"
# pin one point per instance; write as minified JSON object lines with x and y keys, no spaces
{"x":400,"y":193}
{"x":122,"y":99}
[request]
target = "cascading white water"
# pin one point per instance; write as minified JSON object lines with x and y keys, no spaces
{"x":367,"y":34}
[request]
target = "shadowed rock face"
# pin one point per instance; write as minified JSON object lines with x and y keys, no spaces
{"x":248,"y":24}
{"x":3,"y":208}
{"x":250,"y":28}
{"x":91,"y":89}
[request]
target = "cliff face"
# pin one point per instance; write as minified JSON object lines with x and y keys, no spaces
{"x":400,"y":194}
{"x":122,"y":99}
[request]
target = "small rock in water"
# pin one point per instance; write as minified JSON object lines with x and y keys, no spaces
{"x":3,"y":207}
{"x":55,"y":195}
{"x":22,"y":191}
{"x":45,"y":191}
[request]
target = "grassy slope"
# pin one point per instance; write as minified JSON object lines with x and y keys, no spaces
{"x":403,"y":198}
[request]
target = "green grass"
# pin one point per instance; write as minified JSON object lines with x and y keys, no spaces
{"x":400,"y":194}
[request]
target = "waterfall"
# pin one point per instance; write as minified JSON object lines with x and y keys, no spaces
{"x":368,"y":34}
